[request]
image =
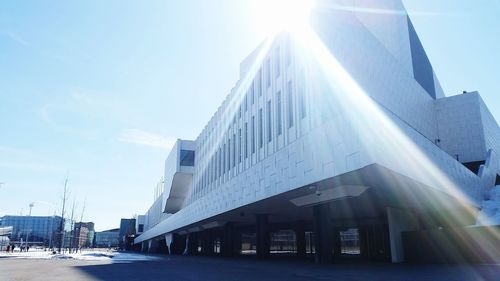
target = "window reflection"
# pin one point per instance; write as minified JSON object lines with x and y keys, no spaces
{"x":187,"y":157}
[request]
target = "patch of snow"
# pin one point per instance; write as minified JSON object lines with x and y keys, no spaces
{"x":490,"y":209}
{"x":110,"y":256}
{"x":132,"y":257}
{"x":89,"y":256}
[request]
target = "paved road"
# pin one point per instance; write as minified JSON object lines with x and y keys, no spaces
{"x":218,"y":269}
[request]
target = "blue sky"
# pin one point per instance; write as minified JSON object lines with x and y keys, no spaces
{"x":101,"y":89}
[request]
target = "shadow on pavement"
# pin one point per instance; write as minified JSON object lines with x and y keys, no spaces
{"x":221,"y":269}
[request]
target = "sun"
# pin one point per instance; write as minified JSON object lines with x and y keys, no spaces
{"x":279,"y":15}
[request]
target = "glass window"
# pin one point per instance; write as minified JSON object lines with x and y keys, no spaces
{"x":248,"y":244}
{"x":216,"y":174}
{"x":290,"y":105}
{"x":283,"y":242}
{"x":277,"y":61}
{"x":261,"y":136}
{"x":302,"y":105}
{"x":228,"y":154}
{"x":253,"y":134}
{"x":268,"y":72}
{"x":246,"y":139}
{"x":224,"y":160}
{"x":259,"y":82}
{"x":252,"y":92}
{"x":269,"y":129}
{"x":239,"y":146}
{"x":220,"y":161}
{"x":349,"y":242}
{"x":245,"y":101}
{"x":279,"y":128}
{"x":302,"y":98}
{"x":234,"y":150}
{"x":214,"y":166}
{"x":210,"y":169}
{"x":187,"y":157}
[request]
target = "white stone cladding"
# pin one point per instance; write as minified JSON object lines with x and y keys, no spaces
{"x":490,"y":127}
{"x":377,"y":71}
{"x":461,"y":133}
{"x":390,"y":28}
{"x":468,"y":131}
{"x":154,"y":215}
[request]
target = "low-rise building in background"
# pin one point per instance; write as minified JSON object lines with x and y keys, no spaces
{"x":40,"y":230}
{"x":107,"y":239}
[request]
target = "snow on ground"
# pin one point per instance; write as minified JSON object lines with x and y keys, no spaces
{"x":88,"y":255}
{"x":490,"y":210}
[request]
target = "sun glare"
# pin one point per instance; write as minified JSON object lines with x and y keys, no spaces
{"x":277,"y":15}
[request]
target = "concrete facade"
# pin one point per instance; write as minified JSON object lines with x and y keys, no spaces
{"x":355,"y":141}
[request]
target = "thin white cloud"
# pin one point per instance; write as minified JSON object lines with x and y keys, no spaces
{"x":22,"y":159}
{"x":17,"y":152}
{"x":140,"y":137}
{"x":31,"y":166}
{"x":76,"y":112}
{"x":87,"y":104}
{"x":13,"y":36}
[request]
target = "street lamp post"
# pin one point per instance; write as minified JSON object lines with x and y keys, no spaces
{"x":31,"y":207}
{"x":27,"y":231}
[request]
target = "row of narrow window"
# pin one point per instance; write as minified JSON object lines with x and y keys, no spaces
{"x":221,"y":160}
{"x":236,"y":148}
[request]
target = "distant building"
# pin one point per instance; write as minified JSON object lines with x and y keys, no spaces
{"x":127,"y":231}
{"x":37,"y":229}
{"x":4,"y":239}
{"x":4,"y":242}
{"x":107,"y":238}
{"x":139,"y":224}
{"x":83,"y":234}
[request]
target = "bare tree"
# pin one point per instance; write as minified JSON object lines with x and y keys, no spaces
{"x":81,"y":221}
{"x":72,"y":222}
{"x":83,"y":208}
{"x":63,"y":212}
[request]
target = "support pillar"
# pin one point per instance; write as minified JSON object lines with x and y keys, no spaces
{"x":178,"y":245}
{"x":153,"y":246}
{"x":168,"y":242}
{"x":399,"y":221}
{"x":236,"y":242}
{"x":227,"y":248}
{"x":262,"y":234}
{"x":192,"y":244}
{"x":300,"y":239}
{"x":208,"y":242}
{"x":323,"y":234}
{"x":336,"y":243}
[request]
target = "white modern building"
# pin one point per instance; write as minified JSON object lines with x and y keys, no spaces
{"x":334,"y":143}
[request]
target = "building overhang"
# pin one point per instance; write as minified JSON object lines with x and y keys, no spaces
{"x":178,"y":177}
{"x":178,"y":192}
{"x":361,"y":194}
